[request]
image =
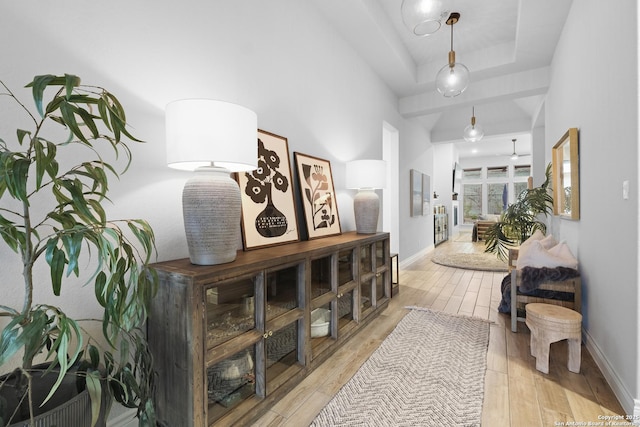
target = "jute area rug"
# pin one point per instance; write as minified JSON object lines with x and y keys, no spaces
{"x":428,"y":372}
{"x":472,"y":261}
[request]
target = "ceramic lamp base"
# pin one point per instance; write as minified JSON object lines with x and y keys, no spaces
{"x":211,"y":207}
{"x":366,"y":207}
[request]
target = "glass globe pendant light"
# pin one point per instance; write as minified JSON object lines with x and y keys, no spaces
{"x":473,"y":132}
{"x":423,"y":17}
{"x":453,"y":78}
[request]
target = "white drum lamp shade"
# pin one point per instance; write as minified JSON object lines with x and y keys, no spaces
{"x":212,"y":138}
{"x":366,"y":176}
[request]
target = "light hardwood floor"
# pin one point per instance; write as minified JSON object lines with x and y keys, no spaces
{"x":516,"y":394}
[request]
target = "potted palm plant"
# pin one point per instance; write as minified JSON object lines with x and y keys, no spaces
{"x":521,"y":219}
{"x":52,"y":215}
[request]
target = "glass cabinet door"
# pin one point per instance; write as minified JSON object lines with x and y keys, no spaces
{"x":230,"y":310}
{"x":380,"y":281}
{"x":380,"y":251}
{"x":345,"y":309}
{"x":230,"y":382}
{"x":367,"y":268}
{"x":381,"y":269}
{"x":366,"y":261}
{"x":320,"y":276}
{"x":281,"y":349}
{"x":282,"y":291}
{"x":345,"y":267}
{"x":321,"y":327}
{"x":366,"y":295}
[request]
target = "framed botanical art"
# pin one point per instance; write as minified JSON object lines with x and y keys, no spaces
{"x":268,"y":204}
{"x":317,"y":195}
{"x":416,"y":192}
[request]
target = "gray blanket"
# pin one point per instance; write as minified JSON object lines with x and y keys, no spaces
{"x":532,"y":278}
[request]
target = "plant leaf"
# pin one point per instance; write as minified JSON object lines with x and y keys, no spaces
{"x":70,"y":83}
{"x":87,"y":119}
{"x":41,"y":160}
{"x":10,"y":340}
{"x":11,"y":235}
{"x":94,"y":356}
{"x":39,"y":84}
{"x":68,"y":111}
{"x":22,"y":134}
{"x":95,"y":393}
{"x":17,"y":183}
{"x":57,"y":261}
{"x":68,"y":330}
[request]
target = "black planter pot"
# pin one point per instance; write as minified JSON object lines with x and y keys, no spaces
{"x":70,"y":406}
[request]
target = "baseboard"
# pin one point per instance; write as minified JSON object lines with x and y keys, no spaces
{"x":416,"y":257}
{"x":629,"y":404}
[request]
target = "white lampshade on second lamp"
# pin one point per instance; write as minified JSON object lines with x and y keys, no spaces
{"x":366,"y":176}
{"x":212,"y":138}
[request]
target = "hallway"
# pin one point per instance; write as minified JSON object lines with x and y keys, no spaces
{"x":516,"y":393}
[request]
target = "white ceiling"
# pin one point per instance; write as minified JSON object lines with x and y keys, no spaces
{"x":507,"y":45}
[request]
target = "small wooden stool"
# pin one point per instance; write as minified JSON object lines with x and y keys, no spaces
{"x":550,"y":323}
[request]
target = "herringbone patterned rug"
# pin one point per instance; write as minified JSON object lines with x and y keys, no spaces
{"x":428,"y":372}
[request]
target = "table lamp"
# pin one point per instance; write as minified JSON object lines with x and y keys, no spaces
{"x":366,"y":176}
{"x":212,"y":138}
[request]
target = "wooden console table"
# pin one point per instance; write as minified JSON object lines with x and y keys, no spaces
{"x":230,"y":340}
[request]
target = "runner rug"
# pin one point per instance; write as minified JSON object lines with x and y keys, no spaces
{"x":428,"y":372}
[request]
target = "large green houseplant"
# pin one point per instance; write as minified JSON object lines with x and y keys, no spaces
{"x":52,"y":214}
{"x":521,"y":219}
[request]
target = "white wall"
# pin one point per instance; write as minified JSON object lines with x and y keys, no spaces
{"x":416,"y":233}
{"x":279,"y":58}
{"x":594,"y":87}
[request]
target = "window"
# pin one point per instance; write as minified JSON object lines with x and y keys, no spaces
{"x":522,"y":170}
{"x":497,"y":172}
{"x":475,"y":173}
{"x":472,"y":202}
{"x":497,"y":198}
{"x":488,"y":190}
{"x":519,"y":187}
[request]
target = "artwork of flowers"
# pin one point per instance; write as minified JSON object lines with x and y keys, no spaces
{"x":318,"y":196}
{"x":268,"y":206}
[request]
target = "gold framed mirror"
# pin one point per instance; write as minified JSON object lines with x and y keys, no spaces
{"x":566,"y":176}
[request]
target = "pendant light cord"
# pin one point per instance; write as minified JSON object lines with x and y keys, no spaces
{"x":452,"y":36}
{"x":453,"y":18}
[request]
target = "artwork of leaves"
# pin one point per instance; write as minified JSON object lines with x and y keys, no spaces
{"x":318,"y":196}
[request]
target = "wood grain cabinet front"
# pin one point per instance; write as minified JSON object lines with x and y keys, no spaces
{"x":230,"y":340}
